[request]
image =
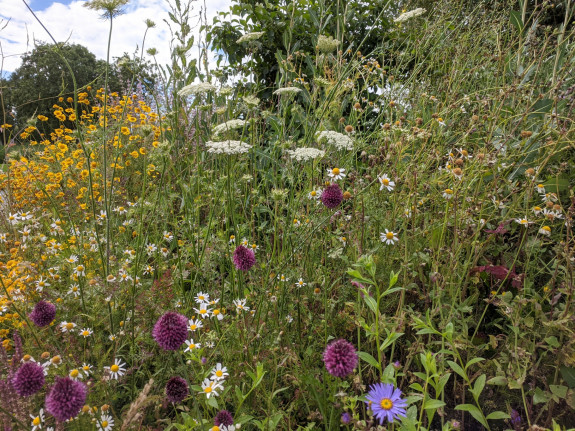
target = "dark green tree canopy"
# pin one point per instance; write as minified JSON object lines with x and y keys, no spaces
{"x":43,"y":77}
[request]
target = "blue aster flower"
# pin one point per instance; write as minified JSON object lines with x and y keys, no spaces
{"x":385,"y":402}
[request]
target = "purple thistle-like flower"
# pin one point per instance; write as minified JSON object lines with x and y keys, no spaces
{"x":332,"y":196}
{"x":177,"y":389}
{"x":345,"y":418}
{"x":244,"y":258}
{"x":170,"y":330}
{"x":29,"y":379}
{"x":66,"y":398}
{"x":43,"y":313}
{"x":385,"y":402}
{"x":223,"y":417}
{"x":340,"y":358}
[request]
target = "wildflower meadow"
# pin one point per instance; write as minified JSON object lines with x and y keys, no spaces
{"x":359,"y":217}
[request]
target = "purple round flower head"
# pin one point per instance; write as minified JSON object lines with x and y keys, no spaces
{"x":177,"y":389}
{"x":29,"y":379}
{"x":43,"y":313}
{"x":244,"y":258}
{"x":515,"y":417}
{"x":385,"y":402}
{"x":340,"y":358}
{"x":170,"y":331}
{"x":345,"y":418}
{"x":332,"y":196}
{"x":223,"y":418}
{"x":66,"y":398}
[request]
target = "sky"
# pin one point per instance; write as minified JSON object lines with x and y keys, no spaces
{"x":68,"y":20}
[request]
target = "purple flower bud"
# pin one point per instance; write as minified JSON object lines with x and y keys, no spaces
{"x":243,"y":258}
{"x":340,"y":358}
{"x":332,"y":196}
{"x":170,"y":331}
{"x":345,"y":418}
{"x":43,"y":313}
{"x":29,"y":379}
{"x":66,"y":398}
{"x":177,"y":389}
{"x":223,"y":417}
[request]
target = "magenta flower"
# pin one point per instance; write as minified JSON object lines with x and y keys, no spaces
{"x":43,"y":313}
{"x":385,"y":402}
{"x":66,"y":398}
{"x":332,"y":196}
{"x":244,"y":258}
{"x":224,"y":418}
{"x":340,"y":358}
{"x":170,"y":331}
{"x":29,"y":379}
{"x":177,"y":389}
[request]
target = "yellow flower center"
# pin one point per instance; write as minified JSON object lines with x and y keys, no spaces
{"x":208,"y":390}
{"x":546,"y":228}
{"x":386,"y":404}
{"x":449,"y":191}
{"x":219,"y":373}
{"x":389,"y":235}
{"x":385,"y":181}
{"x":104,"y":424}
{"x":74,"y":373}
{"x":56,"y":360}
{"x":215,"y":428}
{"x":216,"y":312}
{"x":192,"y":346}
{"x":69,"y":326}
{"x":36,"y":421}
{"x":464,"y":153}
{"x":85,"y":333}
{"x":193,"y":327}
{"x":203,"y":311}
{"x":313,"y":193}
{"x":114,"y":368}
{"x":86,"y":368}
{"x":335,"y":171}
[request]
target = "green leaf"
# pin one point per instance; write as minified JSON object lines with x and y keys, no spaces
{"x":540,"y":396}
{"x":540,"y":108}
{"x":568,"y":374}
{"x":370,"y":303}
{"x":497,"y":380}
{"x":473,"y":411}
{"x":478,"y":386}
{"x":433,"y":404}
{"x":515,"y":18}
{"x":455,"y":367}
{"x":497,"y":415}
{"x":369,"y":359}
{"x":552,"y":341}
{"x":559,"y":390}
{"x":473,"y":361}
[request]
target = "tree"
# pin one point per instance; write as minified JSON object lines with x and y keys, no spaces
{"x":43,"y":77}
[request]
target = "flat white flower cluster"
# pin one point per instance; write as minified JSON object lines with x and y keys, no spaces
{"x":227,"y":147}
{"x":249,"y":37}
{"x":287,"y":91}
{"x":338,"y":140}
{"x":305,"y":154}
{"x":327,"y":44}
{"x":411,"y":14}
{"x":229,"y":125}
{"x":194,"y":89}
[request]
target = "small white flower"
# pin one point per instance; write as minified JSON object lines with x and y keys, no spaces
{"x":336,"y":173}
{"x":241,"y":304}
{"x":219,"y":372}
{"x":211,"y":388}
{"x":67,"y":326}
{"x":447,"y":193}
{"x":202,"y":297}
{"x":545,"y":230}
{"x":194,"y":324}
{"x":203,"y":310}
{"x":385,"y":183}
{"x":191,"y":345}
{"x":37,"y":421}
{"x":300,"y":283}
{"x":116,"y":369}
{"x":86,"y":332}
{"x":106,"y":423}
{"x":388,"y":237}
{"x":522,"y":221}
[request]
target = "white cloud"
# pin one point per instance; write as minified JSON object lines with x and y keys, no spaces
{"x":76,"y":24}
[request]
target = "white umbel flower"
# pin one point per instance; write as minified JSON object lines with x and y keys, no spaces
{"x":338,"y":140}
{"x":250,"y":37}
{"x":227,"y":147}
{"x":305,"y":154}
{"x":408,"y":15}
{"x":289,"y":91}
{"x":228,"y":126}
{"x":195,"y":89}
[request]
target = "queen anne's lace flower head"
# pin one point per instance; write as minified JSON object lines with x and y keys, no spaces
{"x":327,"y":44}
{"x":411,"y":14}
{"x":305,"y":154}
{"x":289,"y":91}
{"x":250,"y":37}
{"x":228,"y":126}
{"x":195,"y":89}
{"x":227,"y":147}
{"x":338,"y":140}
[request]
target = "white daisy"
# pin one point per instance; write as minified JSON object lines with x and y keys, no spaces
{"x":219,"y":372}
{"x":388,"y":237}
{"x":106,"y":423}
{"x":116,"y":369}
{"x":336,"y":173}
{"x":385,"y":183}
{"x":211,"y":388}
{"x":191,"y":345}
